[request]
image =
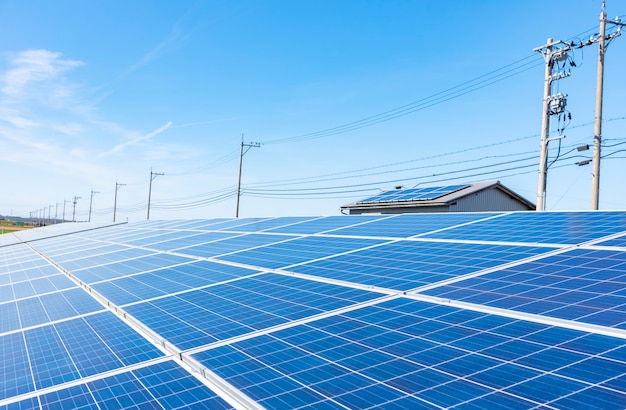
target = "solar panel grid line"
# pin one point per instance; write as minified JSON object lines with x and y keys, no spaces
{"x":182,"y":292}
{"x":287,"y":325}
{"x":320,"y":393}
{"x":86,"y":379}
{"x":48,"y":323}
{"x":596,"y":242}
{"x":136,"y":325}
{"x":322,"y":279}
{"x":313,"y":219}
{"x":604,"y":247}
{"x":229,"y":393}
{"x":492,"y":269}
{"x":290,"y":238}
{"x":148,"y":270}
{"x":530,"y":317}
{"x":232,"y":394}
{"x":265,"y":225}
{"x":349,"y":370}
{"x":469,"y":351}
{"x":23,"y":236}
{"x":348,"y":252}
{"x":111,"y":261}
{"x":381,"y":217}
{"x":30,"y":364}
{"x":488,"y":242}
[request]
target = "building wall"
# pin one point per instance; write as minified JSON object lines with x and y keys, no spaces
{"x":403,"y":210}
{"x":488,"y":200}
{"x":491,"y":199}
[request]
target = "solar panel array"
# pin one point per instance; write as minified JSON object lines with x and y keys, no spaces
{"x":473,"y":310}
{"x":412,"y":194}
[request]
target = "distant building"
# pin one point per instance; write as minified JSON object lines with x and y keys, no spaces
{"x":477,"y":197}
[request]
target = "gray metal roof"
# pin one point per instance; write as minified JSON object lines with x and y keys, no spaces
{"x":444,"y":200}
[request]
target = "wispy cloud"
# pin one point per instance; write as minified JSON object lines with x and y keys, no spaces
{"x":32,"y":66}
{"x":120,"y":147}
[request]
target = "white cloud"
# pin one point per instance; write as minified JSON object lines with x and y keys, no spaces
{"x":32,"y":66}
{"x":136,"y":140}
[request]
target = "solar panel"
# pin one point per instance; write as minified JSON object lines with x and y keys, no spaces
{"x":412,"y":194}
{"x":476,"y":310}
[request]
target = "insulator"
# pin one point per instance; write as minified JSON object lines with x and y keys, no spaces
{"x":558,"y":103}
{"x":560,"y":55}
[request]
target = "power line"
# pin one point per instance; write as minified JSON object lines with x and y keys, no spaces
{"x":434,"y":99}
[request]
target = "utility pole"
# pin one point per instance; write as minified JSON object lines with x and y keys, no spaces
{"x":241,"y":154}
{"x":153,"y":176}
{"x":49,"y":214}
{"x":117,"y":186}
{"x":91,"y":202}
{"x":76,"y":198}
{"x":545,"y":128}
{"x":597,"y":130}
{"x":56,"y":213}
{"x":65,"y":201}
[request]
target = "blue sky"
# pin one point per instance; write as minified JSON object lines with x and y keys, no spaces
{"x":102,"y":91}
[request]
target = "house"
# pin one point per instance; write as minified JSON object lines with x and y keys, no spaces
{"x":476,"y":197}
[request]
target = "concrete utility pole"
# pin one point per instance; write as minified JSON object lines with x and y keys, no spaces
{"x":603,"y":41}
{"x":56,"y":213}
{"x":76,"y":198}
{"x":153,"y":176}
{"x":117,"y":186}
{"x":597,"y":129}
{"x":545,"y":128}
{"x":65,"y":201}
{"x":241,"y":154}
{"x":49,"y":214}
{"x":91,"y":202}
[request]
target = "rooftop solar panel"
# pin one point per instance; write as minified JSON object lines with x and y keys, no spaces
{"x":520,"y":310}
{"x":412,"y":194}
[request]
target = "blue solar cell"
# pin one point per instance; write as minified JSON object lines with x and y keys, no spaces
{"x":412,"y":194}
{"x":404,"y":265}
{"x":295,"y":251}
{"x":90,"y":354}
{"x":89,"y":260}
{"x":190,"y":240}
{"x":166,"y":281}
{"x":10,"y":317}
{"x":27,"y":404}
{"x":75,"y":397}
{"x":49,"y":360}
{"x":129,"y":267}
{"x":232,"y":244}
{"x":125,"y":343}
{"x":16,"y":377}
{"x":562,"y":286}
{"x":31,"y":312}
{"x":269,"y":224}
{"x":336,"y":361}
{"x":238,"y":307}
{"x":543,"y":227}
{"x":619,"y":241}
{"x":122,"y":391}
{"x":326,"y":224}
{"x":407,"y":225}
